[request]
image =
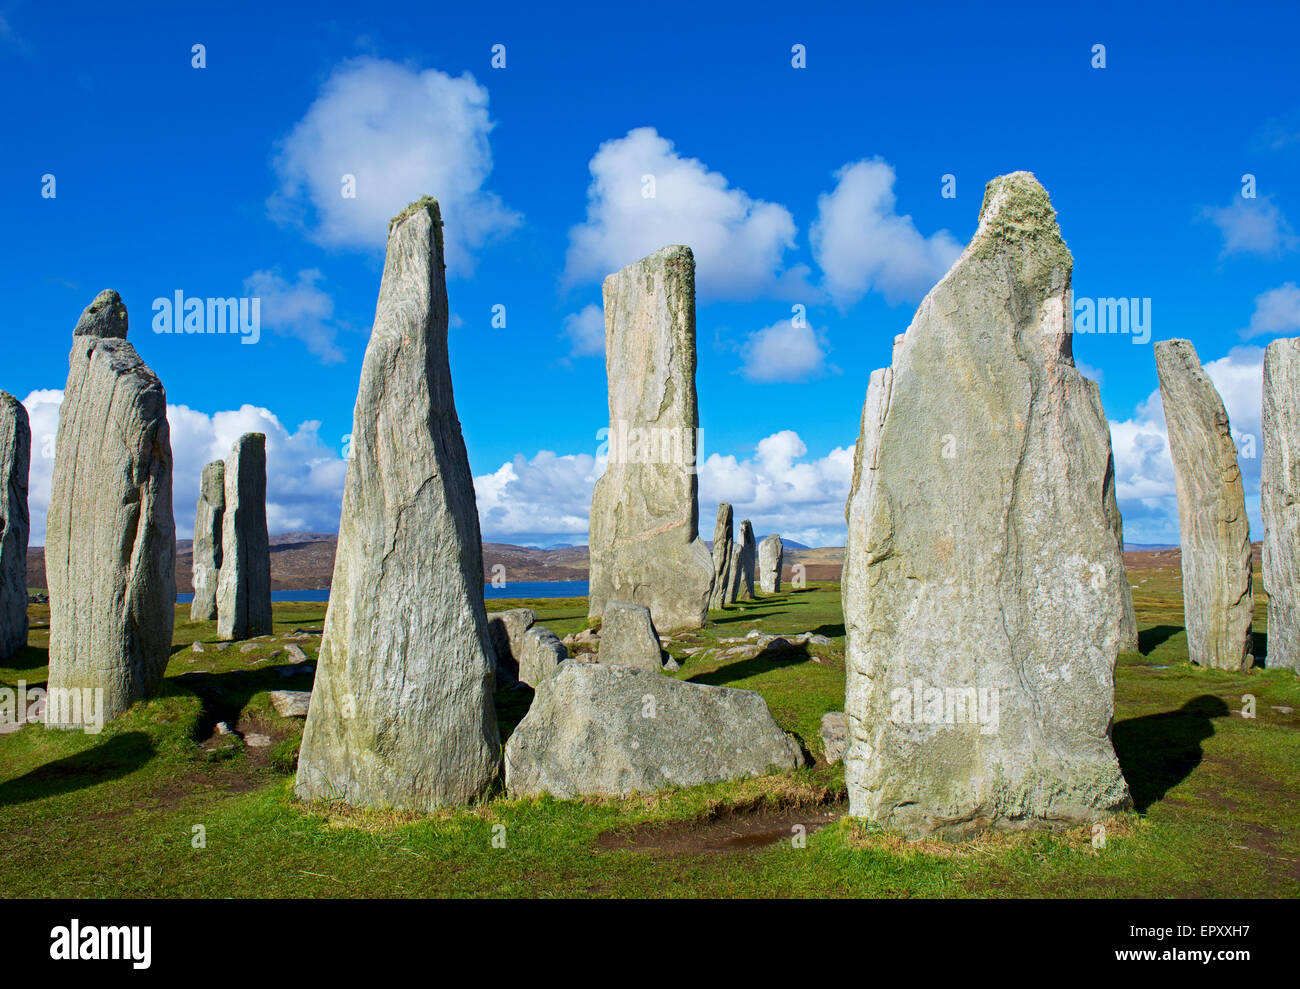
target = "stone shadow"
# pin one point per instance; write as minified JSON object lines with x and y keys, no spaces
{"x":1158,"y":751}
{"x":110,"y":759}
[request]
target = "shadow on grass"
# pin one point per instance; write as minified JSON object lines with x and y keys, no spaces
{"x":110,"y":759}
{"x":1149,"y":639}
{"x":512,"y":704}
{"x":765,"y":662}
{"x":1159,"y":751}
{"x":225,"y":695}
{"x":27,"y":658}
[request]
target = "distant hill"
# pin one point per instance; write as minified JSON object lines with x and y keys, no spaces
{"x":305,"y":561}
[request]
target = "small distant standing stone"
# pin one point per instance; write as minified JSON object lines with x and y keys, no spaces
{"x":771,"y":555}
{"x":207,"y":541}
{"x":244,"y":586}
{"x":15,"y":461}
{"x":628,"y":637}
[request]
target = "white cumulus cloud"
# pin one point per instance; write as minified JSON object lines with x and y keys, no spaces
{"x":401,"y":133}
{"x":790,"y":350}
{"x":862,"y":244}
{"x":644,"y":196}
{"x":304,"y":475}
{"x":540,"y":501}
{"x":1277,"y":312}
{"x":297,"y":309}
{"x":1252,"y":226}
{"x":585,"y":331}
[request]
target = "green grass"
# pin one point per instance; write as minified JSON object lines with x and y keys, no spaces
{"x":117,"y":814}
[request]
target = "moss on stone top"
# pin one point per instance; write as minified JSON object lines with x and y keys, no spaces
{"x":105,"y":317}
{"x":1018,"y":212}
{"x":424,"y":202}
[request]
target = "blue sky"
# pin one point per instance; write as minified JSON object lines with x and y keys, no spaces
{"x":818,"y":186}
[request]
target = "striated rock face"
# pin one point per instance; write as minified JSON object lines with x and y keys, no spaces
{"x":722,"y":544}
{"x":15,"y":524}
{"x":541,"y":654}
{"x":612,"y":730}
{"x":401,"y":713}
{"x":628,"y":637}
{"x":771,"y":555}
{"x":984,"y":585}
{"x":1280,"y":501}
{"x":1212,"y":524}
{"x":748,"y":561}
{"x":644,"y":529}
{"x":244,"y":582}
{"x":834,"y":733}
{"x":207,"y":541}
{"x":110,"y":543}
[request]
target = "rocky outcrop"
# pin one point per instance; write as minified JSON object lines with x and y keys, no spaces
{"x":835,"y":736}
{"x":984,"y":585}
{"x":771,"y":555}
{"x":401,"y":712}
{"x":207,"y":541}
{"x":1213,"y":529}
{"x":722,"y":545}
{"x":628,"y":637}
{"x":110,"y":542}
{"x":1279,"y":487}
{"x":15,"y":523}
{"x":244,"y":581}
{"x":595,"y":729}
{"x":644,"y":528}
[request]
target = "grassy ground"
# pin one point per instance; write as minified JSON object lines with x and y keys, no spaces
{"x":159,"y":805}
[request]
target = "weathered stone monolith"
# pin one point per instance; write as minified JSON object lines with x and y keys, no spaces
{"x":207,"y":541}
{"x":15,"y":524}
{"x":644,"y":539}
{"x":244,"y":581}
{"x":748,"y":562}
{"x":628,"y":637}
{"x":401,"y":713}
{"x":110,"y":540}
{"x":771,"y":556}
{"x":1214,"y":531}
{"x":722,"y":544}
{"x":1279,"y":487}
{"x":984,"y":581}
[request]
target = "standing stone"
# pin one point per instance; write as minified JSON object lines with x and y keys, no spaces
{"x":540,"y":655}
{"x":15,"y":524}
{"x":506,"y":630}
{"x":748,"y":562}
{"x":207,"y":541}
{"x":110,"y":541}
{"x":984,"y":581}
{"x":401,"y":712}
{"x":737,"y":575}
{"x":244,"y":583}
{"x":722,"y":544}
{"x":628,"y":637}
{"x":771,"y":555}
{"x":644,"y":537}
{"x":1214,"y":531}
{"x":1279,"y":488}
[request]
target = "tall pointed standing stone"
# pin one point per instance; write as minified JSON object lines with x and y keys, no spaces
{"x":207,"y":541}
{"x":771,"y":556}
{"x":402,"y":714}
{"x":737,"y":574}
{"x":110,"y":540}
{"x":722,"y":544}
{"x":644,"y":540}
{"x":15,"y":524}
{"x":1214,"y":531}
{"x":748,"y":562}
{"x":244,"y":581}
{"x":984,"y":583}
{"x":1279,"y":487}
